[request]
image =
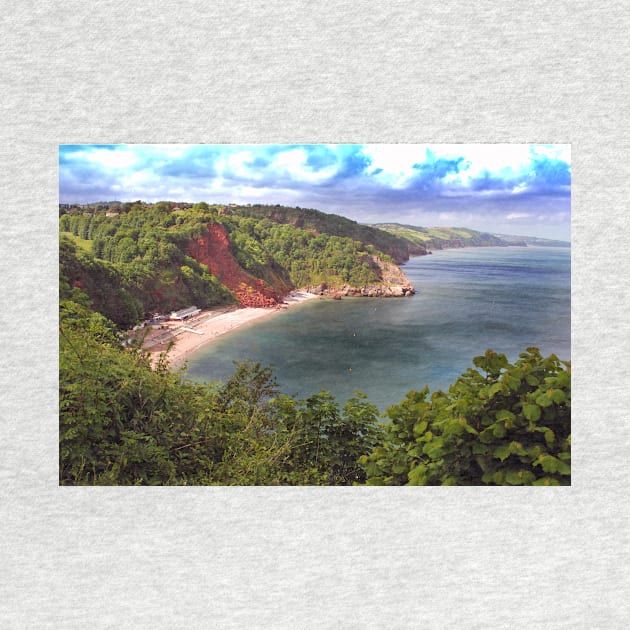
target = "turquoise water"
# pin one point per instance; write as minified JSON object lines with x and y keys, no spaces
{"x":468,"y":300}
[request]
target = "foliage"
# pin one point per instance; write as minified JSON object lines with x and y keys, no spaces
{"x":510,"y":425}
{"x":97,"y":283}
{"x":317,"y":222}
{"x":131,"y":273}
{"x":306,"y":258}
{"x":327,"y":441}
{"x":124,"y":423}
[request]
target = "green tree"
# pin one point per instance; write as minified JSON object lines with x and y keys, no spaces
{"x":326,"y":442}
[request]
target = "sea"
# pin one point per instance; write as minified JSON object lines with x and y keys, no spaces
{"x":467,"y":301}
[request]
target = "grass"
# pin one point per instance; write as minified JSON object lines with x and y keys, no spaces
{"x":83,"y":243}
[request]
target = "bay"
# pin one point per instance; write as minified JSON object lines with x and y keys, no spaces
{"x":467,"y":300}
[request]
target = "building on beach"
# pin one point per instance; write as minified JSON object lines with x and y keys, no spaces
{"x":185,"y":313}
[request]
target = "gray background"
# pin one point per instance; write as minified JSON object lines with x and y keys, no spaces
{"x":306,"y":72}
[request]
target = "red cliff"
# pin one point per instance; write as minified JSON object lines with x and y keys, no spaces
{"x":213,"y":250}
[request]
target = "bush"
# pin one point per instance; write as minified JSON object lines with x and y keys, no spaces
{"x":510,"y":425}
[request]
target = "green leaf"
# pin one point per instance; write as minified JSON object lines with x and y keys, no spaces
{"x":504,"y":414}
{"x":416,"y":451}
{"x":517,"y":448}
{"x":563,"y":379}
{"x":514,"y":477}
{"x":544,"y":400}
{"x":563,"y":468}
{"x":546,"y":481}
{"x":498,"y":430}
{"x":434,"y":449}
{"x":479,"y":449}
{"x":532,"y":412}
{"x":418,"y":476}
{"x":501,"y":452}
{"x":467,"y":427}
{"x":420,"y":427}
{"x":450,"y":481}
{"x":558,"y":396}
{"x":527,"y":476}
{"x":550,"y":437}
{"x":495,"y":389}
{"x":548,"y":463}
{"x":534,"y":451}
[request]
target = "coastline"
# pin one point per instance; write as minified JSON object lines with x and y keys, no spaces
{"x":209,"y":325}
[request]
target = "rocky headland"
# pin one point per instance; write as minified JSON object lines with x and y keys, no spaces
{"x":394,"y":283}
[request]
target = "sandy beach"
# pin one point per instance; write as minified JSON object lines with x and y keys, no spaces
{"x":203,"y":329}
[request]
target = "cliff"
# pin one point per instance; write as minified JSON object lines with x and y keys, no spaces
{"x":213,"y":250}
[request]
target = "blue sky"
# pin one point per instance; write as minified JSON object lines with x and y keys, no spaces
{"x":508,"y":188}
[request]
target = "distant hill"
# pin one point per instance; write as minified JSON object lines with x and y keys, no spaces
{"x":532,"y":240}
{"x":423,"y":239}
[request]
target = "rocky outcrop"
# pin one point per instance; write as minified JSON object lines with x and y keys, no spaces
{"x":213,"y":250}
{"x":393,"y":283}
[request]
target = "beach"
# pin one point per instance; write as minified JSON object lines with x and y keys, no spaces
{"x":187,"y":337}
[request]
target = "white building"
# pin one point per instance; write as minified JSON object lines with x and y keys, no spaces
{"x":185,"y":313}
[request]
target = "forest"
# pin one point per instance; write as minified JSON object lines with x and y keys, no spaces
{"x":126,"y":422}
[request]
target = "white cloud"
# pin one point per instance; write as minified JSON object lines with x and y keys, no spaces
{"x":292,"y":163}
{"x":118,"y":159}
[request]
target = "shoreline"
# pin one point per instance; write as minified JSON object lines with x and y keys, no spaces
{"x":209,"y":325}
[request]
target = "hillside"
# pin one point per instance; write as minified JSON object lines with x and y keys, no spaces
{"x":421,"y":239}
{"x":136,"y":259}
{"x":332,"y":224}
{"x":532,"y":240}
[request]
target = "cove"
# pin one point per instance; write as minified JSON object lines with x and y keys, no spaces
{"x":467,"y":300}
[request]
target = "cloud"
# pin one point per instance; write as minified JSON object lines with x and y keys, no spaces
{"x":550,"y":175}
{"x":192,"y":163}
{"x":515,"y":216}
{"x":365,"y":182}
{"x":431,"y":175}
{"x":319,"y":156}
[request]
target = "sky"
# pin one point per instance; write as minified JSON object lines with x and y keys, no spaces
{"x":504,"y":188}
